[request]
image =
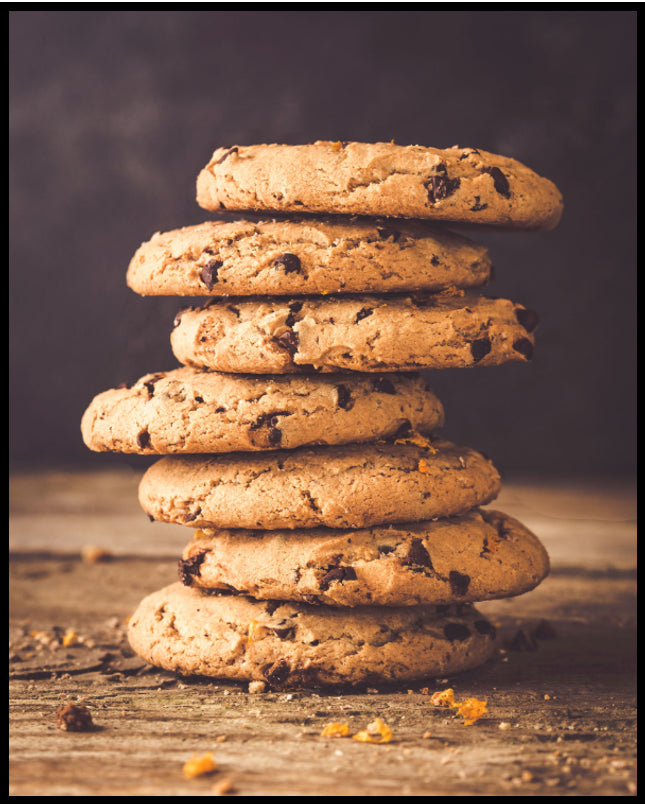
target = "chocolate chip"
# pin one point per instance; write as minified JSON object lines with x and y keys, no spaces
{"x":528,"y":318}
{"x":288,"y":262}
{"x":143,"y":439}
{"x":150,"y":383}
{"x":525,"y":347}
{"x":418,"y":555}
{"x":435,"y":260}
{"x":74,"y":717}
{"x":189,"y":568}
{"x":480,"y":348}
{"x":285,"y":633}
{"x":225,"y":155}
{"x":522,"y":641}
{"x":192,"y":516}
{"x":180,"y":313}
{"x":384,"y":549}
{"x":340,"y":573}
{"x":208,"y":275}
{"x":478,"y":205}
{"x":275,"y":437}
{"x":385,"y":231}
{"x":467,"y":152}
{"x":459,"y":583}
{"x":384,"y":385}
{"x":440,"y":187}
{"x":364,"y":312}
{"x":276,"y":673}
{"x":344,"y":397}
{"x":456,"y":631}
{"x":289,"y":341}
{"x":500,"y":183}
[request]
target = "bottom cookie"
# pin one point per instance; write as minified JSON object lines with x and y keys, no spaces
{"x":289,"y":645}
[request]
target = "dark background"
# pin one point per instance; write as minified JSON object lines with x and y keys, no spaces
{"x":113,"y":113}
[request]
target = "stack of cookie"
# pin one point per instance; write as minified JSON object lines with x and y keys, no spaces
{"x":336,"y":539}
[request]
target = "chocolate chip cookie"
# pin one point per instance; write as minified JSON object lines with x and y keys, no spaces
{"x":186,"y":411}
{"x":360,"y":333}
{"x":482,"y":555}
{"x":337,"y":486}
{"x":312,"y":256}
{"x":465,"y":185}
{"x":290,"y":645}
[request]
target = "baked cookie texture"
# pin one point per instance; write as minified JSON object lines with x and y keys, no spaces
{"x":335,"y":486}
{"x":289,"y":645}
{"x":312,"y":256}
{"x":186,"y":411}
{"x":465,"y":185}
{"x":359,"y":333}
{"x":482,"y":555}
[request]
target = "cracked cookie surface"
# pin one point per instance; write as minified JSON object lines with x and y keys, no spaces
{"x":463,"y":185}
{"x":289,"y":645}
{"x":482,"y":555}
{"x":359,"y":333}
{"x":334,"y":486}
{"x":223,"y":258}
{"x":188,"y":411}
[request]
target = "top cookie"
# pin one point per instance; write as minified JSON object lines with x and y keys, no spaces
{"x":306,"y":257}
{"x":464,"y":185}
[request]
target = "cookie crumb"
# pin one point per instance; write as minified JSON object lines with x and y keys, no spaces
{"x":223,"y":786}
{"x":471,"y":709}
{"x":376,"y":732}
{"x":74,"y":717}
{"x":199,"y":766}
{"x":335,"y":730}
{"x":504,"y":726}
{"x":255,"y":687}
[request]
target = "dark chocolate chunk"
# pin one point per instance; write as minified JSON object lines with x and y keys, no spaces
{"x":484,"y":627}
{"x":500,"y":183}
{"x":189,"y":568}
{"x":528,"y":318}
{"x":74,"y":717}
{"x":340,"y":573}
{"x":276,"y":673}
{"x":208,"y":275}
{"x":456,"y":631}
{"x":345,"y":400}
{"x":440,"y":187}
{"x":289,"y":341}
{"x":480,"y":348}
{"x":478,"y":205}
{"x":192,"y":516}
{"x":287,"y":632}
{"x":143,"y":439}
{"x":435,"y":260}
{"x":275,"y":436}
{"x":522,"y":641}
{"x":288,"y":262}
{"x":525,"y":347}
{"x":418,"y":555}
{"x":384,"y":549}
{"x":364,"y":312}
{"x":459,"y":583}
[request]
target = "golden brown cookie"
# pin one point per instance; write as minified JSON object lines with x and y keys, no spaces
{"x":311,"y":256}
{"x":464,"y":185}
{"x":482,"y":555}
{"x":335,"y":486}
{"x":359,"y":333}
{"x":290,"y":645}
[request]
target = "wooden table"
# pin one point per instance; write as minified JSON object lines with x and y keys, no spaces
{"x":561,"y":718}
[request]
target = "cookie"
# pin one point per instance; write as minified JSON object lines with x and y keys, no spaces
{"x":305,"y":257}
{"x":335,"y":486}
{"x":290,"y":645}
{"x":360,"y":333}
{"x":464,"y":185}
{"x":186,"y":411}
{"x":482,"y":555}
